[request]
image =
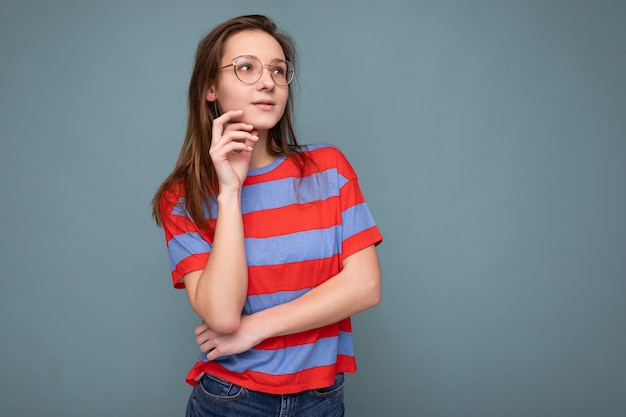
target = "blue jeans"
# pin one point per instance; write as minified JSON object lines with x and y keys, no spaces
{"x":214,"y":397}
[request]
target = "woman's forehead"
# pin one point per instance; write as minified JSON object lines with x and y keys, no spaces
{"x":253,"y":42}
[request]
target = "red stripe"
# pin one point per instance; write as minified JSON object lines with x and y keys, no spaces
{"x":360,"y":241}
{"x":189,"y":264}
{"x":290,"y":169}
{"x":293,"y":276}
{"x":351,"y":195}
{"x":318,"y":377}
{"x":305,"y":338}
{"x":292,"y":219}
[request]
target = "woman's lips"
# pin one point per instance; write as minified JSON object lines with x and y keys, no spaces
{"x":264,"y":105}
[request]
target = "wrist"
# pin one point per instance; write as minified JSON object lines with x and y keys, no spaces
{"x":229,"y":197}
{"x":259,"y":325}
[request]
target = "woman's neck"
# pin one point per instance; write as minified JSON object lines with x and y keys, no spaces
{"x":260,"y":156}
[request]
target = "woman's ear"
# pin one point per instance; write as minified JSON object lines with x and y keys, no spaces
{"x":211,"y":95}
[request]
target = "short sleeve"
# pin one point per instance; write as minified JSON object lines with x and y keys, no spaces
{"x":359,"y":229}
{"x":188,"y":247}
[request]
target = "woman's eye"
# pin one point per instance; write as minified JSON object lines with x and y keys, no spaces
{"x":279,"y":70}
{"x":245,"y":67}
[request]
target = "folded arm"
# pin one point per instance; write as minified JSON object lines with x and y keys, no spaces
{"x":356,"y":288}
{"x":218,"y":292}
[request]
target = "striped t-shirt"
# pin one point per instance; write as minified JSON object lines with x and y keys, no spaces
{"x":298,"y":230}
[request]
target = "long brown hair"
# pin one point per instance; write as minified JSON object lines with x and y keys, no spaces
{"x":194,"y":169}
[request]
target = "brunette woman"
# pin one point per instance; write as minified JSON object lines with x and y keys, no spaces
{"x":273,"y":241}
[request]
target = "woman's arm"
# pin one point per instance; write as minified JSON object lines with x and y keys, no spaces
{"x":218,"y":292}
{"x":356,"y":288}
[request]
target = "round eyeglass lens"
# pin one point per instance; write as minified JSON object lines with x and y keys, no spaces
{"x":249,"y":70}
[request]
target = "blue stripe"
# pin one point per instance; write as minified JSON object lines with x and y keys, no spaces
{"x":256,"y":303}
{"x":280,"y":193}
{"x":356,"y":219}
{"x":291,"y":359}
{"x":293,"y":247}
{"x":181,"y":246}
{"x":316,"y":146}
{"x":289,"y":191}
{"x":179,"y":209}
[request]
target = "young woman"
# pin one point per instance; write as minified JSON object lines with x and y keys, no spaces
{"x":273,"y":241}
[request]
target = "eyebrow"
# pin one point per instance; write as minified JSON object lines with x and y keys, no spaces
{"x":254,"y":56}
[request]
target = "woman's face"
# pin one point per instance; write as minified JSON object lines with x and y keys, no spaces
{"x":263,"y":103}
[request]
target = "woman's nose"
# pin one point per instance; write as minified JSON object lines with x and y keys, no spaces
{"x":266,"y":78}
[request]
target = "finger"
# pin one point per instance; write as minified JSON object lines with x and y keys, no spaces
{"x":212,"y":354}
{"x":253,"y":137}
{"x":220,"y":123}
{"x":207,"y":347}
{"x":240,"y":136}
{"x":203,"y":338}
{"x":244,"y":137}
{"x":248,"y":142}
{"x":222,"y":151}
{"x":234,"y":127}
{"x":200,"y":328}
{"x":234,"y":146}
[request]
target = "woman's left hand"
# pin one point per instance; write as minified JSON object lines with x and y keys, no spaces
{"x":216,"y":345}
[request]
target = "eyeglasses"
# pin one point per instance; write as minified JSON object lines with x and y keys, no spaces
{"x":248,"y":69}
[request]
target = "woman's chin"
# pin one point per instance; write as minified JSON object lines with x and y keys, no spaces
{"x":261,"y":124}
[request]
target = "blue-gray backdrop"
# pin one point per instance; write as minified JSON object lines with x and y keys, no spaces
{"x":490,"y":141}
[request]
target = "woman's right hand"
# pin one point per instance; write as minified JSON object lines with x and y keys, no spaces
{"x":231,"y":149}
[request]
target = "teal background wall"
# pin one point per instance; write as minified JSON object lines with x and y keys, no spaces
{"x":490,"y":141}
